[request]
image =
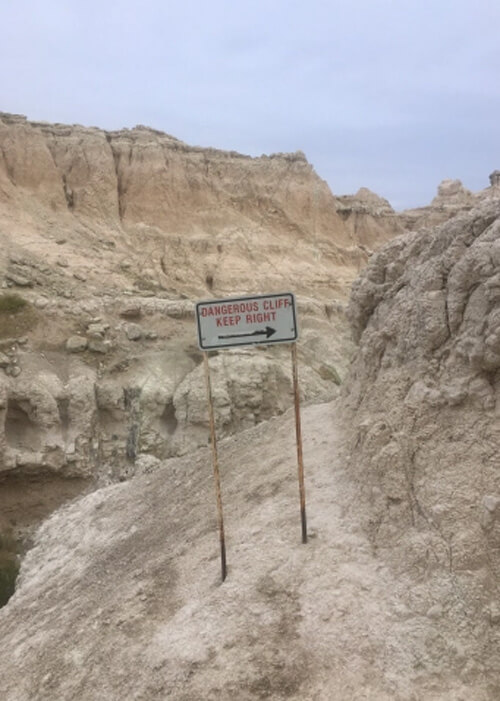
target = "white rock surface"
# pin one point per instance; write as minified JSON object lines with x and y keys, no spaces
{"x":121,"y":595}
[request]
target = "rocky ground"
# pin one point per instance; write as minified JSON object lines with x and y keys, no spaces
{"x":121,"y":596}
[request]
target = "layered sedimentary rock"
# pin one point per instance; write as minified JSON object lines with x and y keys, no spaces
{"x":107,"y":239}
{"x":370,"y":219}
{"x":164,"y":208}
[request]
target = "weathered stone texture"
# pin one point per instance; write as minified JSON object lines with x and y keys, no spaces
{"x":424,"y":391}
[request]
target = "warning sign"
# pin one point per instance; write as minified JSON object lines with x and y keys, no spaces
{"x":245,"y":321}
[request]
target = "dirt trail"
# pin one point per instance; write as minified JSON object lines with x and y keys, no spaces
{"x":121,"y":597}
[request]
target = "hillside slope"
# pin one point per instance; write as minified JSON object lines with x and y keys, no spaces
{"x":121,"y":595}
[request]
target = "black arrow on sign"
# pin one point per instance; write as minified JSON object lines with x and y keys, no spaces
{"x":268,"y":331}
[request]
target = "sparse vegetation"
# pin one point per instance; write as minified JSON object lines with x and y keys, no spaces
{"x":17,"y":316}
{"x":328,"y":372}
{"x":12,"y":303}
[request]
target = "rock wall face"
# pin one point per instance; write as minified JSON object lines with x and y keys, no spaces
{"x":422,"y":427}
{"x":94,"y":405}
{"x":370,"y":219}
{"x":163,"y":207}
{"x":142,"y":175}
{"x":106,"y":240}
{"x":424,"y":394}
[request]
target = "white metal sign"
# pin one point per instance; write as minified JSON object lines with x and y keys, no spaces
{"x":245,"y":321}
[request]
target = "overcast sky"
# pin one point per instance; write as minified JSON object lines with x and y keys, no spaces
{"x":394,"y":95}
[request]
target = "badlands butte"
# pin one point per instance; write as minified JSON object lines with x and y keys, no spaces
{"x":107,"y":240}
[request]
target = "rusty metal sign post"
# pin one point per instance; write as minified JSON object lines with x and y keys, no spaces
{"x":298,"y":434}
{"x":243,"y":321}
{"x":215,"y":460}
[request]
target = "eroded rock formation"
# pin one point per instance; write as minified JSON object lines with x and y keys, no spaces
{"x":495,"y":178}
{"x":422,"y":407}
{"x":424,"y":386}
{"x":106,"y":239}
{"x":143,"y":196}
{"x":370,"y":219}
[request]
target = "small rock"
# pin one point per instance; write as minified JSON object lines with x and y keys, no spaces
{"x":134,"y":312}
{"x":76,"y":344}
{"x":80,"y":276}
{"x":4,"y":360}
{"x":15,"y":371}
{"x":23,"y":340}
{"x":435,"y":611}
{"x":41,"y":302}
{"x":489,"y":511}
{"x":494,"y":614}
{"x":125,"y":265}
{"x":401,"y":610}
{"x":62,"y":262}
{"x":98,"y":346}
{"x":97,"y":330}
{"x":151,"y":335}
{"x":134,"y":332}
{"x":146,"y":464}
{"x":61,"y":241}
{"x":491,"y":503}
{"x":19,"y":280}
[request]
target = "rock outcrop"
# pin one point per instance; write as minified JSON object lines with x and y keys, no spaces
{"x":422,"y":409}
{"x":143,"y":196}
{"x":370,"y":219}
{"x":452,"y":198}
{"x":106,"y":239}
{"x":90,"y":404}
{"x":495,"y":178}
